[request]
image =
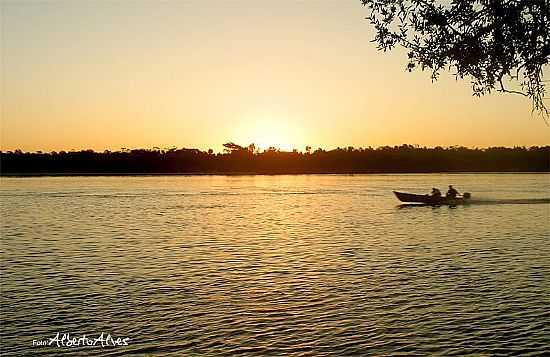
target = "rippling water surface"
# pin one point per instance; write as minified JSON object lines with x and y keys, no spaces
{"x":270,"y":265}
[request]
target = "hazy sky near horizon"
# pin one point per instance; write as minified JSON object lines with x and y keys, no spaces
{"x":195,"y":73}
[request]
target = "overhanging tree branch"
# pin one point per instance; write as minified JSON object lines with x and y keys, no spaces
{"x":485,"y":41}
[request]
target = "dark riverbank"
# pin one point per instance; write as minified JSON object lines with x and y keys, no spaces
{"x":244,"y":161}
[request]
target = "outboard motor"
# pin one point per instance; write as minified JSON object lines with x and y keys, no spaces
{"x":467,"y":195}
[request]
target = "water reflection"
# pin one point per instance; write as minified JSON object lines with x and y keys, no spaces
{"x":275,"y":265}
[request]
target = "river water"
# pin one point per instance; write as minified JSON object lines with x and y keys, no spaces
{"x":303,"y":265}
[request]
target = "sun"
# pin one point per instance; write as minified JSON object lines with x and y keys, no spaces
{"x":268,"y":133}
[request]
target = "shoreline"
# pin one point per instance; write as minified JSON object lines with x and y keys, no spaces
{"x":252,"y":173}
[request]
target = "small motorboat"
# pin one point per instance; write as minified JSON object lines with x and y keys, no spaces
{"x":432,"y":200}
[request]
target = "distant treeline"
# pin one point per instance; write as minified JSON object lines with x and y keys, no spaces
{"x":238,"y":159}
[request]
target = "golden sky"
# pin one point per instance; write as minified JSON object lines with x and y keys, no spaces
{"x":194,"y":73}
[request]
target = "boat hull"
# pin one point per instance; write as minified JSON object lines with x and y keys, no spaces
{"x":429,"y":200}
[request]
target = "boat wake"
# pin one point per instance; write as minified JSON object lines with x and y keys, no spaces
{"x":509,"y":201}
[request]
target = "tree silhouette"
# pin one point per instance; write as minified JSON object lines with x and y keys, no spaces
{"x":495,"y":43}
{"x":404,"y":158}
{"x":232,"y":147}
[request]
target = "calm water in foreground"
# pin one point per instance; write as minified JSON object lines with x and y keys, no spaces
{"x":269,"y":265}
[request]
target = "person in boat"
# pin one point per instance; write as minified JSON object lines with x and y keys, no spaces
{"x":451,"y":193}
{"x":435,"y":192}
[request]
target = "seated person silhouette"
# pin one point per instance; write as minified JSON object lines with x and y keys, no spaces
{"x":451,"y":193}
{"x":435,"y":192}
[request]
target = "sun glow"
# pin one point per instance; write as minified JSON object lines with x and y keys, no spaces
{"x":267,"y":133}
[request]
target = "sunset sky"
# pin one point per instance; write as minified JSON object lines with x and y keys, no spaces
{"x":196,"y":73}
